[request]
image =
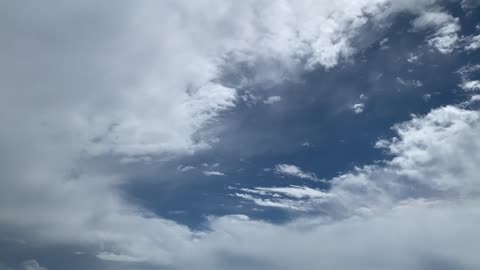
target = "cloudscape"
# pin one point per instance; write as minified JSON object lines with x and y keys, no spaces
{"x":256,"y":134}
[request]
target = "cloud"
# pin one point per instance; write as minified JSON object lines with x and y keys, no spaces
{"x":287,"y":204}
{"x":306,"y":144}
{"x":294,"y":171}
{"x":469,"y":4}
{"x":470,"y":85}
{"x":473,"y":43}
{"x":186,"y":168}
{"x":358,"y":108}
{"x":422,"y":153}
{"x":30,"y":265}
{"x":272,"y":99}
{"x":445,"y":37}
{"x":409,"y":83}
{"x":411,"y":204}
{"x":292,"y":197}
{"x":118,"y":258}
{"x":474,"y":98}
{"x":467,"y":74}
{"x":412,"y":58}
{"x":87,"y":82}
{"x":213,"y":173}
{"x":421,"y":203}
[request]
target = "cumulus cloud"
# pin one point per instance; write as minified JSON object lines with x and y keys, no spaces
{"x":431,"y":180}
{"x":294,"y":171}
{"x":421,"y":204}
{"x":446,"y":27}
{"x":422,"y":153}
{"x":470,"y":85}
{"x":88,"y":80}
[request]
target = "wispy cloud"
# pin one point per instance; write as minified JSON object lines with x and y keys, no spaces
{"x":294,"y":171}
{"x":213,"y":173}
{"x":272,"y":99}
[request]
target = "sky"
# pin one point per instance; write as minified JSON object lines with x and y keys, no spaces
{"x":257,"y":134}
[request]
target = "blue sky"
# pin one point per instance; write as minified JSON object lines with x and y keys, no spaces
{"x":253,"y":135}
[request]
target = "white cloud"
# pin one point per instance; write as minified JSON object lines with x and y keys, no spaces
{"x":470,"y":85}
{"x":278,"y":203}
{"x":272,"y":99}
{"x":297,"y":198}
{"x":294,"y":171}
{"x":475,"y":98}
{"x":473,"y":43}
{"x":358,"y":108}
{"x":183,"y":169}
{"x":412,"y":204}
{"x":466,"y":73}
{"x":412,"y":58}
{"x":422,"y":158}
{"x":445,"y":37}
{"x":295,"y":192}
{"x":213,"y":173}
{"x":116,"y":80}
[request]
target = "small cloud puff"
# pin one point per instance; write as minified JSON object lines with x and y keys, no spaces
{"x":358,"y":108}
{"x":272,"y":99}
{"x":306,"y":144}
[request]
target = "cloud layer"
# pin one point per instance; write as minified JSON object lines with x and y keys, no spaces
{"x":88,"y":85}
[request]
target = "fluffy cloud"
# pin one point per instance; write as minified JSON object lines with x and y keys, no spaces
{"x":419,"y":204}
{"x":446,"y":27}
{"x":473,"y":43}
{"x":470,"y":85}
{"x":131,"y":80}
{"x":421,"y":167}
